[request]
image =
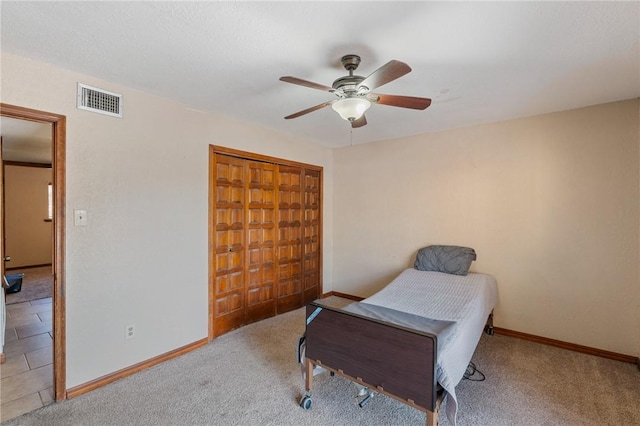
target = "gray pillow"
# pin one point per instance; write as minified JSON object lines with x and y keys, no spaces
{"x":448,"y":259}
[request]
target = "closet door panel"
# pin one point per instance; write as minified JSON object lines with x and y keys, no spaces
{"x":229,"y":295}
{"x":312,"y":235}
{"x":289,"y":238}
{"x":261,"y":228}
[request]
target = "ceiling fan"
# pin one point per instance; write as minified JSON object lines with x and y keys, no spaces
{"x":354,"y":94}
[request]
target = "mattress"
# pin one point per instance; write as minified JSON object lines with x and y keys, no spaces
{"x":464,"y":300}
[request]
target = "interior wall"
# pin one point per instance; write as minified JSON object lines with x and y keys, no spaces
{"x":26,"y":199}
{"x":142,"y":258}
{"x":550,"y":203}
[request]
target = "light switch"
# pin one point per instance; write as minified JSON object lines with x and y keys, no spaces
{"x":80,"y":217}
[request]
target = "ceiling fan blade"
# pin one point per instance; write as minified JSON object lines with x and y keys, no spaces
{"x":386,"y":73}
{"x":400,"y":101}
{"x":362,"y":121}
{"x":305,"y":83}
{"x":308,"y":110}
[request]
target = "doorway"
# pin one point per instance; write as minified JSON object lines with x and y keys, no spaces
{"x":58,"y":139}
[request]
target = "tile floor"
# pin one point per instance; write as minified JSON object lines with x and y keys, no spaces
{"x":26,"y":377}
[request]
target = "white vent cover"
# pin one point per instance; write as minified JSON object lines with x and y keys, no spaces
{"x":100,"y":101}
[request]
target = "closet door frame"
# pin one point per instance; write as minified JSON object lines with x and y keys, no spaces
{"x":215,"y":149}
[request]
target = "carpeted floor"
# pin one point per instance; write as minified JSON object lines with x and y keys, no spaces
{"x":36,"y":284}
{"x":250,"y":377}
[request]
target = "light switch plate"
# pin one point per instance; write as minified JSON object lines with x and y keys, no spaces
{"x":80,"y":217}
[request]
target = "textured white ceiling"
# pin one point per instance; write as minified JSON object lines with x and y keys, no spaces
{"x":479,"y":61}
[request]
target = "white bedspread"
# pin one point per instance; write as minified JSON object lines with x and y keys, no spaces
{"x":465,"y":300}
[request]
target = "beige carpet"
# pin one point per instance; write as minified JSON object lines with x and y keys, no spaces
{"x":36,"y":284}
{"x":250,"y":377}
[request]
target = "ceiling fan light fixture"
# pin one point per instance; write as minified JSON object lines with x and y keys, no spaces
{"x":353,"y":92}
{"x":351,"y":109}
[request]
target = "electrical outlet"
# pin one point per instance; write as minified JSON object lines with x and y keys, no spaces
{"x":130,"y":331}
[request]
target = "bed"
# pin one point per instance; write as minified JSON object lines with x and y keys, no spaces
{"x":412,"y":340}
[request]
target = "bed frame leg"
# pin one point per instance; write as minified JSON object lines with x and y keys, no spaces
{"x":488,"y":328}
{"x":308,"y":380}
{"x":306,"y":401}
{"x":432,"y":418}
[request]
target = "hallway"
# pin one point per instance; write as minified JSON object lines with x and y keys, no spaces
{"x":26,"y":377}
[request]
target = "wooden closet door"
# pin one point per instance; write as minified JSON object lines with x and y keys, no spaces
{"x":289,"y":238}
{"x":312,"y":234}
{"x":229,"y":281}
{"x":261,"y":228}
{"x":265,"y":237}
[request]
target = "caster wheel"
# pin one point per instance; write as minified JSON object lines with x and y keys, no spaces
{"x":305,"y":402}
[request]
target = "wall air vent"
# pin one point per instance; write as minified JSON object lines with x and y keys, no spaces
{"x":100,"y":101}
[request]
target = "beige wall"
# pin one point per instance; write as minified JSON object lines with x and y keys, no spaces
{"x":550,"y":203}
{"x":28,"y":235}
{"x":143,"y":179}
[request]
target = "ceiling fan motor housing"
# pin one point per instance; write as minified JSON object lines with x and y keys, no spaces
{"x":348,"y":84}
